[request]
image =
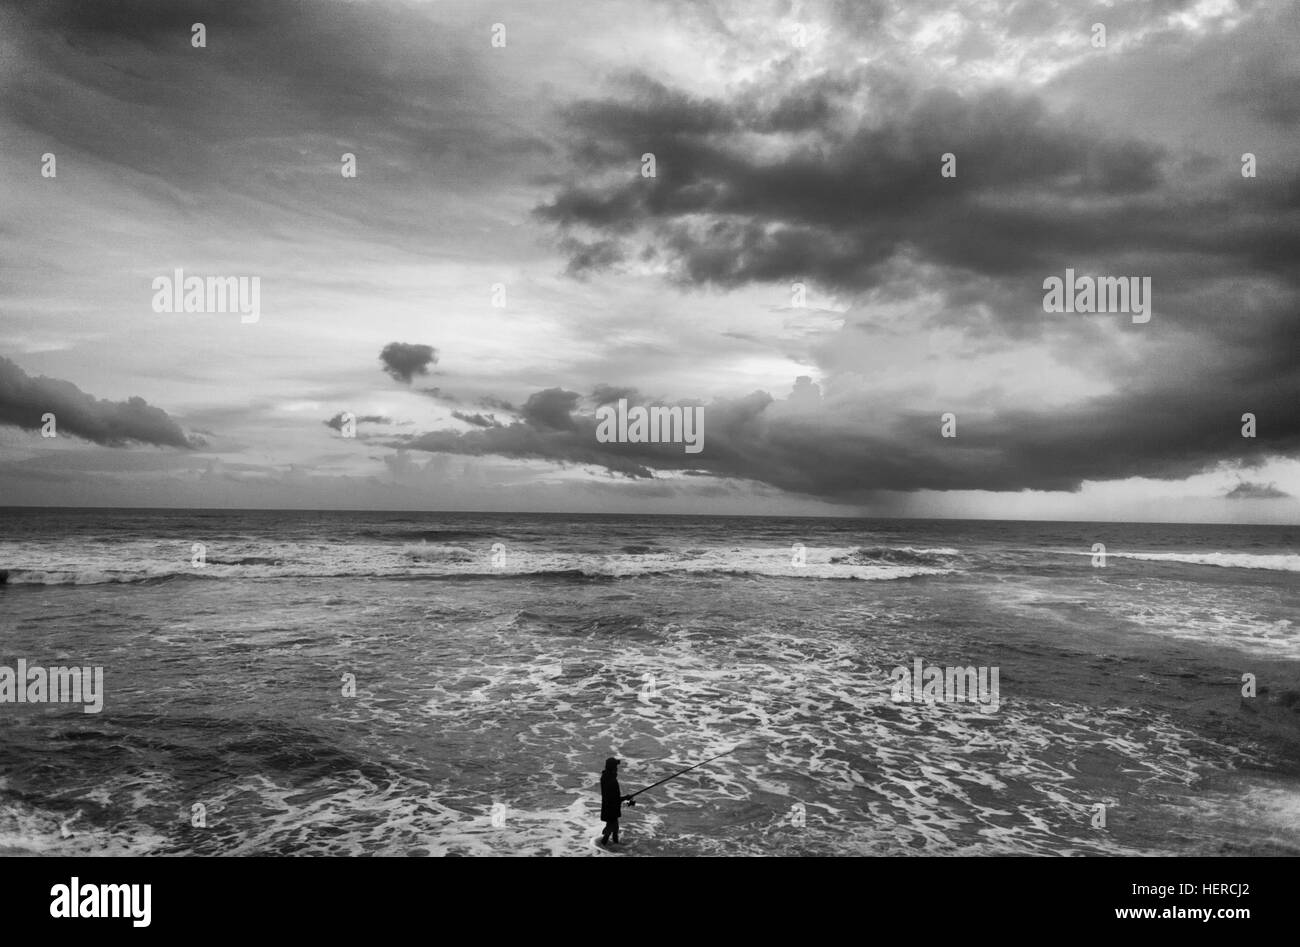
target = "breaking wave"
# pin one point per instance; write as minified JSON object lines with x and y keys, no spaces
{"x":1224,"y":560}
{"x":898,"y":555}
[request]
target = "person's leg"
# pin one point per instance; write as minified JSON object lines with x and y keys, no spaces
{"x":615,"y":824}
{"x":608,"y":828}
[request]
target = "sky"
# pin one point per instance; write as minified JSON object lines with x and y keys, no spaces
{"x":804,"y":265}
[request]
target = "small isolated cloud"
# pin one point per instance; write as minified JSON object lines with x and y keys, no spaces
{"x":403,"y":361}
{"x":552,"y":408}
{"x":24,"y":400}
{"x":1256,"y":491}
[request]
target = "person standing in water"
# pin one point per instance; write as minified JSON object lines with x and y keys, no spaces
{"x":611,"y":801}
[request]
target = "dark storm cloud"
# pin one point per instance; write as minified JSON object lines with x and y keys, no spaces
{"x":1256,"y":491}
{"x":790,"y":443}
{"x":403,"y":361}
{"x":1035,"y":191}
{"x":525,"y":441}
{"x":833,"y":180}
{"x":552,"y":429}
{"x":24,"y":399}
{"x":1159,"y":434}
{"x":836,"y":206}
{"x":853,"y":203}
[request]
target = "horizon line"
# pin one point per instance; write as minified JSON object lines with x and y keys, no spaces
{"x":591,"y":513}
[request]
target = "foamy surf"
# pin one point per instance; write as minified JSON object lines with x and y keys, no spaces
{"x":497,"y":661}
{"x":1224,"y":560}
{"x":26,"y":831}
{"x":431,"y":560}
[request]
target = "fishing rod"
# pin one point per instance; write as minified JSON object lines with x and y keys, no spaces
{"x":631,"y":800}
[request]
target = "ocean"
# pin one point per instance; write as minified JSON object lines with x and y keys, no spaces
{"x":311,"y":683}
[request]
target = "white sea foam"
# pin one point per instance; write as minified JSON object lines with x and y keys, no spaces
{"x":1227,"y":560}
{"x":438,"y":560}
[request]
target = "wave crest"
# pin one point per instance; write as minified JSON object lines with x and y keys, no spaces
{"x":898,"y":555}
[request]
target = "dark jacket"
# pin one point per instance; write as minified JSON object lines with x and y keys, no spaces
{"x":611,"y":799}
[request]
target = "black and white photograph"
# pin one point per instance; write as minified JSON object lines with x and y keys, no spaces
{"x":606,"y":429}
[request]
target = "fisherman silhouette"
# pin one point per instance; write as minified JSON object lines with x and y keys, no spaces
{"x":611,"y":801}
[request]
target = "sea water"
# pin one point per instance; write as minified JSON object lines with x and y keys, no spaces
{"x":448,"y":684}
